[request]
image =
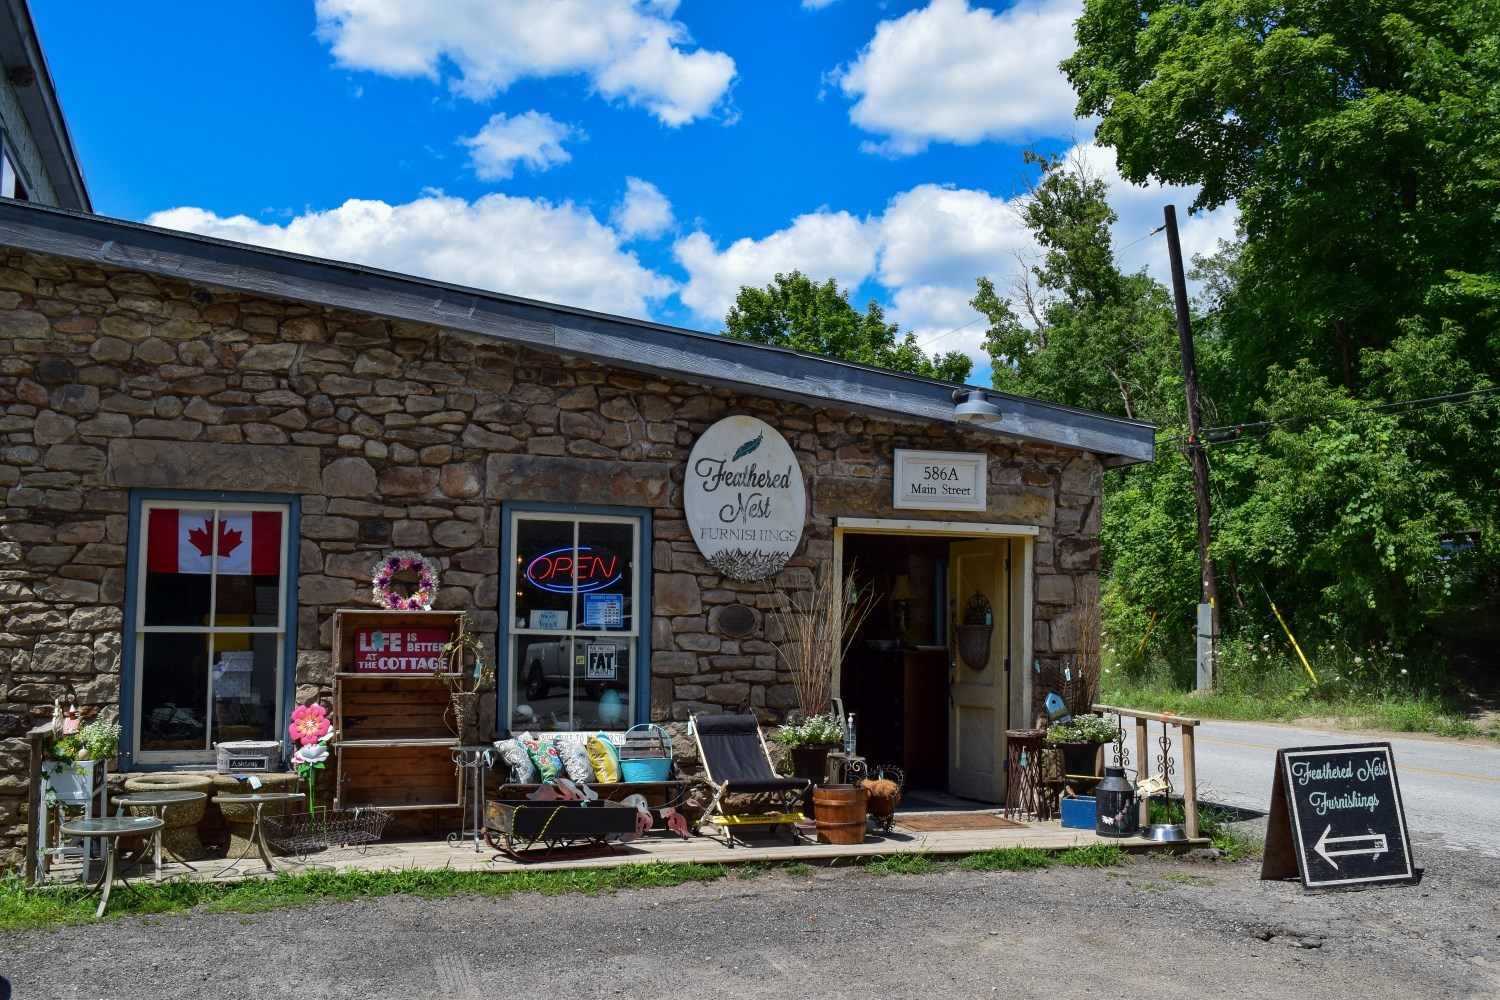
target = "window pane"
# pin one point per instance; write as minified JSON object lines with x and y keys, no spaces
{"x":544,"y":574}
{"x":544,"y":673}
{"x":174,"y":691}
{"x":605,"y":572}
{"x":244,"y":686}
{"x":179,"y":549}
{"x":248,"y":569}
{"x":601,"y":693}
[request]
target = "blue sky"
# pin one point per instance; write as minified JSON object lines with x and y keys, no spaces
{"x":639,"y":157}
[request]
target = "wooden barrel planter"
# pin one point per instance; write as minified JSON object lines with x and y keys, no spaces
{"x":841,"y":814}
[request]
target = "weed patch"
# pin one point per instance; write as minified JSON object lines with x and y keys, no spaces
{"x":1007,"y":859}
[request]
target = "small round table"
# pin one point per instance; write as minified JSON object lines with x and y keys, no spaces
{"x":110,"y":829}
{"x":257,"y":801}
{"x":157,"y":802}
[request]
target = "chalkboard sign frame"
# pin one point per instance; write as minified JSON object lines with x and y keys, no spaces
{"x":1311,"y":782}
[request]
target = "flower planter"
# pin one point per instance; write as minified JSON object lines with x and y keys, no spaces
{"x":1080,"y":765}
{"x":74,"y":782}
{"x":811,"y":763}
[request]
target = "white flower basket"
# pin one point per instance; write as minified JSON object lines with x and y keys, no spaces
{"x":74,"y":782}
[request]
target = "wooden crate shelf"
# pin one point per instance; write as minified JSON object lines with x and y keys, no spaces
{"x":395,"y":735}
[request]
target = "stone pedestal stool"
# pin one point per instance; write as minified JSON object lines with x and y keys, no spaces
{"x":179,"y":836}
{"x":240,"y":819}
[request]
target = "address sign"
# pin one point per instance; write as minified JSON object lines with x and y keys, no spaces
{"x":939,"y":480}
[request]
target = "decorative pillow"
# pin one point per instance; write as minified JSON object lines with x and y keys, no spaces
{"x":513,"y":752}
{"x":546,"y":758}
{"x":574,"y":757}
{"x":604,"y":757}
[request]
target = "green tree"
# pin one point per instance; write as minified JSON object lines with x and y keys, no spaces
{"x":794,"y":312}
{"x":1359,"y":142}
{"x":1092,"y":336}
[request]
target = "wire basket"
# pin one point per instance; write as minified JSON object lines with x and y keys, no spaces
{"x":302,"y":833}
{"x":974,"y":644}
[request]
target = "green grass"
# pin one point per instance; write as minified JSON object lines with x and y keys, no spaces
{"x":26,"y":908}
{"x":1213,"y":823}
{"x":901,"y":864}
{"x":21,"y":907}
{"x":1277,"y":694}
{"x":1020,"y":859}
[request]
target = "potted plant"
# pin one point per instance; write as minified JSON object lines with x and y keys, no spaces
{"x":1078,"y":741}
{"x":809,"y":743}
{"x":77,"y":761}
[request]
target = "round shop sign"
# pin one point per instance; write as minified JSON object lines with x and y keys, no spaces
{"x":744,"y":498}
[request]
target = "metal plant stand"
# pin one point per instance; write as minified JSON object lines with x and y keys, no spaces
{"x":473,"y":762}
{"x":1025,"y":794}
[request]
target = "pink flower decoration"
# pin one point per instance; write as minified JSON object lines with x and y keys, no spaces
{"x":309,"y":724}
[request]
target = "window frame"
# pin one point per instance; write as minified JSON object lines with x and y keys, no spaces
{"x":13,"y":180}
{"x":141,"y":501}
{"x":644,"y":570}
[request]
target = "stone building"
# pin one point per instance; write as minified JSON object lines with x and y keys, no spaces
{"x":206,"y":447}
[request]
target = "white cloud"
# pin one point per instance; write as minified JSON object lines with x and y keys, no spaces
{"x":821,"y":244}
{"x":949,"y":73}
{"x":926,"y":249}
{"x":630,"y":50}
{"x":519,"y":246}
{"x":817,"y":4}
{"x":930,"y":233}
{"x":534,"y":139}
{"x":644,"y":211}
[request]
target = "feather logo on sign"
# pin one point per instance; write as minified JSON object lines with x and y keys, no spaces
{"x":748,"y":447}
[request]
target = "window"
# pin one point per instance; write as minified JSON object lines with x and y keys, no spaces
{"x":575,"y":612}
{"x":11,"y":185}
{"x":209,"y":629}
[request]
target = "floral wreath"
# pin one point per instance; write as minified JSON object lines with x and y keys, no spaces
{"x":384,"y":579}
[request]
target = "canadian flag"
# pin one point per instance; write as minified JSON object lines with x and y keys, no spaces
{"x":183,"y":541}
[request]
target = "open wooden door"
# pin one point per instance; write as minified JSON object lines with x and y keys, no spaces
{"x":978,"y":681}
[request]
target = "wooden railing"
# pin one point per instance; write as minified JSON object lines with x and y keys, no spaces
{"x":1164,"y":767}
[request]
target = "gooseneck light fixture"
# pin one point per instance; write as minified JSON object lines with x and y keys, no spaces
{"x":974,"y":406}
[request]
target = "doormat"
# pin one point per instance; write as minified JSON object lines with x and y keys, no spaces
{"x":941,"y":822}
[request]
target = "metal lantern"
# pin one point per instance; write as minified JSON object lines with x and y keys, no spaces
{"x":1114,"y":805}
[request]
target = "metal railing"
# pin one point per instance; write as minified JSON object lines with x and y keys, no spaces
{"x":1164,"y":766}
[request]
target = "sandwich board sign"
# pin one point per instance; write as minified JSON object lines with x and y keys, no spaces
{"x":1336,"y":819}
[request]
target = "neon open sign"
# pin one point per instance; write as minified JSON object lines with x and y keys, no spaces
{"x":559,"y":570}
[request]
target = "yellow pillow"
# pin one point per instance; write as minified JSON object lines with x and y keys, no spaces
{"x":605,"y":759}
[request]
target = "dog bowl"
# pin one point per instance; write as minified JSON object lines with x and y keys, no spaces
{"x":1166,"y":833}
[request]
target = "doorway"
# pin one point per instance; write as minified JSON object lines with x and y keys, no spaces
{"x":918,"y":702}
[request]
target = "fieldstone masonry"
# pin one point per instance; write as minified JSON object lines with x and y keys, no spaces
{"x":396,"y":434}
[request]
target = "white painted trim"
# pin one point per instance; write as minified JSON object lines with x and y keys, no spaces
{"x":892,"y":526}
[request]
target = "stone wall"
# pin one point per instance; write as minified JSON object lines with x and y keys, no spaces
{"x":401,"y":435}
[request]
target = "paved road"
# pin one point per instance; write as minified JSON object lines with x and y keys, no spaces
{"x":1450,"y":788}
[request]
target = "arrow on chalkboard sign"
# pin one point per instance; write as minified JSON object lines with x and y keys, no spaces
{"x":1376,"y":849}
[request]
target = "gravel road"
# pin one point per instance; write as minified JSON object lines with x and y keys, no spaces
{"x":1154,"y":927}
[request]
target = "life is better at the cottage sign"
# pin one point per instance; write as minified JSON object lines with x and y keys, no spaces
{"x":744,"y":498}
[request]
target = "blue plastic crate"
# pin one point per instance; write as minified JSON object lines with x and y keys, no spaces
{"x":1078,"y":812}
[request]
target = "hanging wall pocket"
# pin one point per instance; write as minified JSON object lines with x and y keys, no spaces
{"x":975,"y":632}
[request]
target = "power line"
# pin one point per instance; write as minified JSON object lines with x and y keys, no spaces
{"x":1233,"y":432}
{"x":934,"y":340}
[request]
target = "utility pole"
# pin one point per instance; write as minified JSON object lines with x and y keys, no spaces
{"x":1208,"y":608}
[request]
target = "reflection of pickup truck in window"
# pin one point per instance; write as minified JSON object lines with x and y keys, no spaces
{"x":602,"y":663}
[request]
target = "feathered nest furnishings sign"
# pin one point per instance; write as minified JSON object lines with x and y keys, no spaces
{"x":744,"y":498}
